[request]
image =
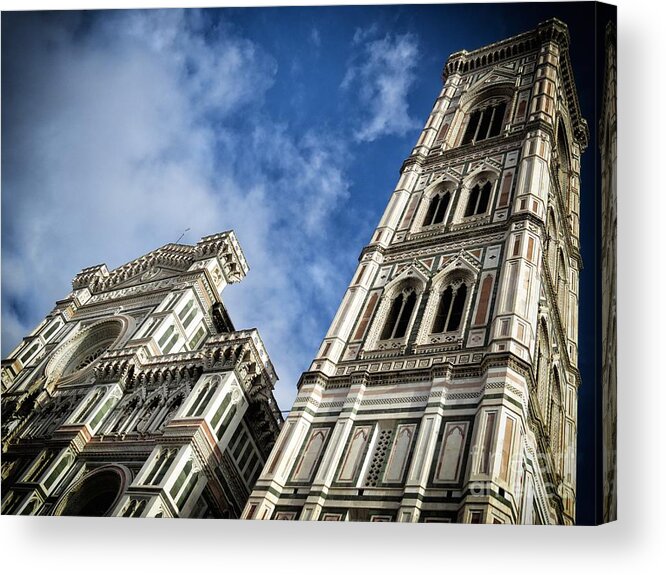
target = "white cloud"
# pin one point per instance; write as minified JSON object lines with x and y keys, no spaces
{"x":120,"y":133}
{"x":315,"y":37}
{"x":363,"y":34}
{"x":382,"y":73}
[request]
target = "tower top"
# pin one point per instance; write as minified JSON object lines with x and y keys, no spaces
{"x":552,"y":30}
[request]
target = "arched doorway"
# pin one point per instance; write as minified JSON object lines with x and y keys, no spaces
{"x":94,"y":495}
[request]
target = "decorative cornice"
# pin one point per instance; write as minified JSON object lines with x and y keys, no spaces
{"x":176,"y":257}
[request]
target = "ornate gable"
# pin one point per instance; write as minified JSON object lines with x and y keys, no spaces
{"x":497,"y":76}
{"x":486,"y":165}
{"x":463,"y":261}
{"x":152,"y":274}
{"x":414,"y":270}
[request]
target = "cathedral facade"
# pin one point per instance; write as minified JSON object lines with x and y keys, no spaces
{"x":445,"y":389}
{"x":136,"y":396}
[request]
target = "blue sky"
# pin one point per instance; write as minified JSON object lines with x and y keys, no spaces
{"x":123,"y":128}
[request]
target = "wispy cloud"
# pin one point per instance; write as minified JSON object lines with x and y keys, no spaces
{"x":315,"y":37}
{"x":120,"y":133}
{"x":382,"y":72}
{"x":363,"y":34}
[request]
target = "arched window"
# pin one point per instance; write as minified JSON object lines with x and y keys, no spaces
{"x":204,"y":395}
{"x":31,"y":507}
{"x":552,"y":241}
{"x":38,"y":419}
{"x":555,"y":417}
{"x":165,"y":336}
{"x":130,"y":508}
{"x":186,"y":308}
{"x":89,"y":406}
{"x":562,"y":293}
{"x":147,"y":413}
{"x":28,"y":354}
{"x":478,"y":200}
{"x":400,"y":313}
{"x":439,"y":203}
{"x":167,"y":413}
{"x":49,"y":420}
{"x":564,"y":164}
{"x":55,"y":326}
{"x":160,"y":466}
{"x":40,"y":466}
{"x":450,"y":309}
{"x":134,"y":508}
{"x":125,"y":416}
{"x":186,"y":315}
{"x":485,"y":122}
{"x":543,"y":363}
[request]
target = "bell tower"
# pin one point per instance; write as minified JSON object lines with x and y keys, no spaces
{"x":445,"y":389}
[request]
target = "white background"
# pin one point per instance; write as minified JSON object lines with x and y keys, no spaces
{"x":632,"y":544}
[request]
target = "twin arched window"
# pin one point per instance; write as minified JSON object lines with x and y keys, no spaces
{"x":474,"y":201}
{"x":449,"y":313}
{"x":450,"y":308}
{"x":437,"y":208}
{"x":485,"y":123}
{"x":160,"y":466}
{"x":478,"y":200}
{"x":204,"y":395}
{"x":400,"y":314}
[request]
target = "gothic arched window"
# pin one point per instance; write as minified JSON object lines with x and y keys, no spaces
{"x":28,"y":354}
{"x":562,"y":287}
{"x":543,"y":363}
{"x":551,"y":240}
{"x":400,"y":313}
{"x":89,"y":406}
{"x":485,"y":122}
{"x":160,"y":466}
{"x":168,"y":339}
{"x":168,"y":412}
{"x":563,"y":162}
{"x":125,"y":416}
{"x":187,"y":314}
{"x":147,"y":413}
{"x":478,"y":200}
{"x":451,"y":308}
{"x":437,"y":208}
{"x":555,"y":414}
{"x":49,"y":420}
{"x":204,"y":395}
